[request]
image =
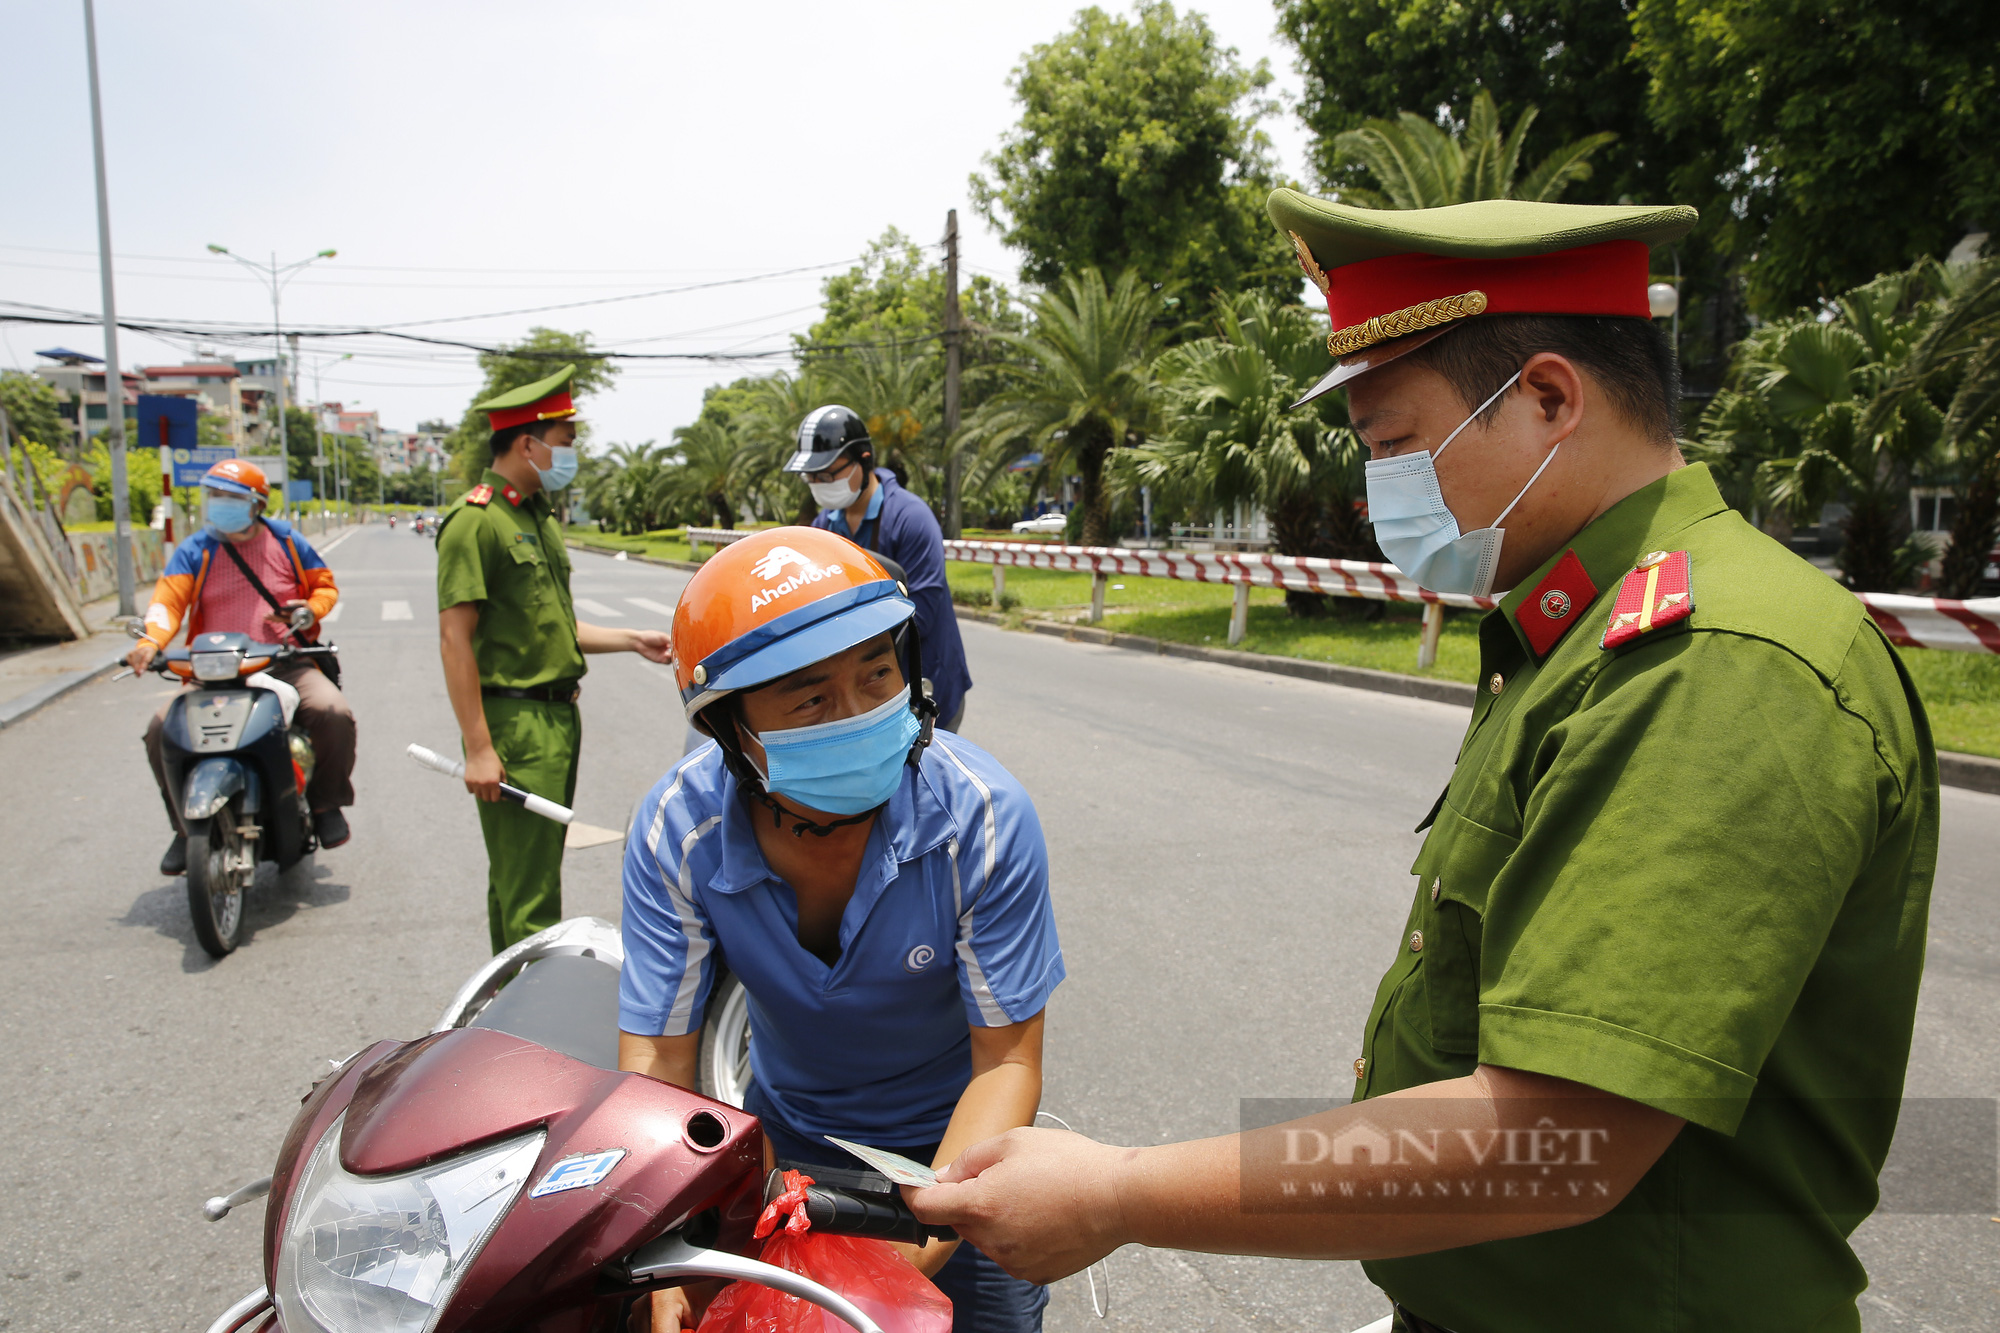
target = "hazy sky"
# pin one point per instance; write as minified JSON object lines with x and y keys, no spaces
{"x":474,"y":158}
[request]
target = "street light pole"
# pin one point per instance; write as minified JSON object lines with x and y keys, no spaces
{"x":277,"y":277}
{"x":114,"y":378}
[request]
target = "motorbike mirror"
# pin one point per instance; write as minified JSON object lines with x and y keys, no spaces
{"x":135,"y":627}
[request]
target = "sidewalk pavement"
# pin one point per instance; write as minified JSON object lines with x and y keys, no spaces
{"x":31,"y":678}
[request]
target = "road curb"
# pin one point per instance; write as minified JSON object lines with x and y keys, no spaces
{"x":1973,"y":771}
{"x":23,"y":706}
{"x":630,"y":555}
{"x":1970,"y":771}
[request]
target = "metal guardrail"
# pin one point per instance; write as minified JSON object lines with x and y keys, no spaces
{"x":716,"y":537}
{"x":1367,"y":579}
{"x":1912,"y":622}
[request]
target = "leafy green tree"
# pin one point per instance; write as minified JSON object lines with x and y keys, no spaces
{"x":1826,"y":142}
{"x":1811,"y":416}
{"x":35,"y":409}
{"x":1419,"y":165}
{"x":510,"y":366}
{"x":1138,"y":148}
{"x":896,"y":294}
{"x":1371,"y":59}
{"x":1228,"y":434}
{"x":1084,"y":387}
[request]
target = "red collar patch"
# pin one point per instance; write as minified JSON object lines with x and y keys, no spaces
{"x":1656,"y":593}
{"x":482,"y":494}
{"x":513,"y":496}
{"x":1555,"y":605}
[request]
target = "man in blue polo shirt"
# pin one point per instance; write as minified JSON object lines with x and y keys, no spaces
{"x":868,"y":505}
{"x":881,"y":890}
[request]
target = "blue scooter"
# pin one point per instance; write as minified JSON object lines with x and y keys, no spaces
{"x":241,"y":769}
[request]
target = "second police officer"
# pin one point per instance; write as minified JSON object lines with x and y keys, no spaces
{"x":513,"y":648}
{"x":867,"y":505}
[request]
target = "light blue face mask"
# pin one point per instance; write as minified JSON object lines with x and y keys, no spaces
{"x":561,"y":470}
{"x":230,"y":513}
{"x":842,"y":768}
{"x":1416,"y":528}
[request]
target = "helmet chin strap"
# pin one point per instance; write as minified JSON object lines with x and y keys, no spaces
{"x":800,"y":824}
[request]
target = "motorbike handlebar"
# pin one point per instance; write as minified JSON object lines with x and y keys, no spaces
{"x":858,"y":1203}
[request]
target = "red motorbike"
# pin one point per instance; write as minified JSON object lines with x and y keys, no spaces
{"x":500,"y":1176}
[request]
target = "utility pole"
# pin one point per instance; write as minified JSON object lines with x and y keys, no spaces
{"x":114,"y":378}
{"x":954,"y":509}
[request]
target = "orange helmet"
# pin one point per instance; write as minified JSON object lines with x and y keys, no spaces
{"x":777,"y":601}
{"x":236,"y":477}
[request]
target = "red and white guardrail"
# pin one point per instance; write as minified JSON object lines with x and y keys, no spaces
{"x":1911,"y":622}
{"x":1366,"y":579}
{"x":1937,"y":622}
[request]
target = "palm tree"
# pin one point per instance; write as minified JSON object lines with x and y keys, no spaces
{"x":897,"y":388}
{"x":1230,"y":434}
{"x":1086,"y":387}
{"x":1418,"y":165}
{"x":619,"y":484}
{"x":710,"y":475}
{"x":1809,"y":417}
{"x":1956,"y":362}
{"x":769,"y":433}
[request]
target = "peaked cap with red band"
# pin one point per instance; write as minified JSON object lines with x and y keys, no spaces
{"x":544,"y":400}
{"x":1396,"y":278}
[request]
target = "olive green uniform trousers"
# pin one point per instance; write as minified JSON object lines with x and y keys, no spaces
{"x":538,"y":745}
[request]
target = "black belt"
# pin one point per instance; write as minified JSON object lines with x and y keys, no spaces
{"x":561,"y":692}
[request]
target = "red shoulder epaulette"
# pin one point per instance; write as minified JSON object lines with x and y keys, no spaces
{"x":481,"y":495}
{"x":1657,"y":593}
{"x":513,"y":496}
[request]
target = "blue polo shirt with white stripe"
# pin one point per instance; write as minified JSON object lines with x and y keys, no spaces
{"x":950,"y":927}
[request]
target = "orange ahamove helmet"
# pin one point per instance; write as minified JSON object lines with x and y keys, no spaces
{"x":782,"y":599}
{"x":236,"y":477}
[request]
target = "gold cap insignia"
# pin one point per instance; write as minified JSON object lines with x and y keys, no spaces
{"x":1309,"y":264}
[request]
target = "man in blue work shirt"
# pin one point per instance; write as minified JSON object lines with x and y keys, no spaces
{"x":866,"y":504}
{"x":899,"y":959}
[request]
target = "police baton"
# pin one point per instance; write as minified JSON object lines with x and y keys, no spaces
{"x":454,"y":768}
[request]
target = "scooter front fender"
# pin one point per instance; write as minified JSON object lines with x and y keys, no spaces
{"x":210,"y":784}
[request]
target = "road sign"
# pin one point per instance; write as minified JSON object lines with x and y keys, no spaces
{"x":190,"y":465}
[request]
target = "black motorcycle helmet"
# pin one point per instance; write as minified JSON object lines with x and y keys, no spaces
{"x":825,"y":435}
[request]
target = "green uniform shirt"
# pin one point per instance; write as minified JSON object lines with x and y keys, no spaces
{"x":1693,"y":871}
{"x":510,"y":558}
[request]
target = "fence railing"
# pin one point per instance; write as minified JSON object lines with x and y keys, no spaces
{"x":1937,"y":622}
{"x":1244,"y":569}
{"x":1912,"y":622}
{"x":716,"y":537}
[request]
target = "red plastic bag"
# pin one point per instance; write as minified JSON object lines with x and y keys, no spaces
{"x":867,"y":1272}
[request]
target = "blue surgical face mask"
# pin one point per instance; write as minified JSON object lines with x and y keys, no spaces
{"x":1416,"y":528}
{"x":561,"y":470}
{"x":842,"y":768}
{"x":231,"y":513}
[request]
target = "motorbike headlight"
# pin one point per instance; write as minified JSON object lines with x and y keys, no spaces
{"x":216,"y":666}
{"x":382,"y":1254}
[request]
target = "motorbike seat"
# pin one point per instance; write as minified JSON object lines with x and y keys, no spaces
{"x":567,"y":1003}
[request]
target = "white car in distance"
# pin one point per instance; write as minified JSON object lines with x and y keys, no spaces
{"x":1051,"y":522}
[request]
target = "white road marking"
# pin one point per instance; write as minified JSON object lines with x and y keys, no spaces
{"x":396,"y":611}
{"x":598,"y":609}
{"x":648,"y":604}
{"x":334,"y":614}
{"x":328,"y":548}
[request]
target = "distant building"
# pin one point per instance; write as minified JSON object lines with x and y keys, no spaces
{"x":212,"y":384}
{"x":78,"y":379}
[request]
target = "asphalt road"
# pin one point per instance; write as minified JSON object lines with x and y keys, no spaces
{"x":1229,"y":854}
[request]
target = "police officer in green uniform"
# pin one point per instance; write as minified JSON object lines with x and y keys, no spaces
{"x":513,"y":648}
{"x":1638,"y":1056}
